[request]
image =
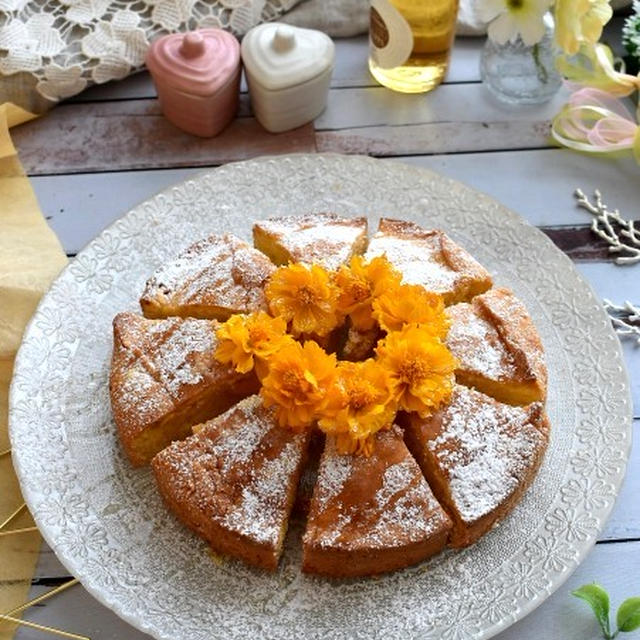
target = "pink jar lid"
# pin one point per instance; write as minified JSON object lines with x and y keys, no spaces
{"x":197,"y":62}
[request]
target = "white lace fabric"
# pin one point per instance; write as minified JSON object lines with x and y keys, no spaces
{"x":67,"y":45}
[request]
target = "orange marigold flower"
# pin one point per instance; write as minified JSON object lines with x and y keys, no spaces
{"x":297,"y":383}
{"x":402,"y":304}
{"x":246,"y":341}
{"x":359,"y":404}
{"x":359,"y":284}
{"x":421,"y":368}
{"x":304,"y":296}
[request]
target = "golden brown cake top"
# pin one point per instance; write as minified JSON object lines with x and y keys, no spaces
{"x":238,"y":469}
{"x":322,"y":238}
{"x":156,"y":363}
{"x":483,"y":447}
{"x":517,"y":331}
{"x":427,"y":257}
{"x":475,"y":342}
{"x":375,"y":502}
{"x":220,"y":271}
{"x":494,"y":336}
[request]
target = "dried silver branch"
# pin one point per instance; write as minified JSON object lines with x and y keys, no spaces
{"x":625,"y":319}
{"x":620,"y":234}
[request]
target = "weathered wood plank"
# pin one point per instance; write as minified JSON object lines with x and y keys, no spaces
{"x":434,"y":138}
{"x":131,"y":135}
{"x":560,"y":616}
{"x":459,"y":103}
{"x":580,"y":243}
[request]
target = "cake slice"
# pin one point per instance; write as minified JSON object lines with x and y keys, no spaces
{"x":212,"y":279}
{"x":165,"y":378}
{"x":429,"y":258}
{"x":479,"y":456}
{"x":234,"y":481}
{"x":498,"y":348}
{"x":322,"y":238}
{"x":373,"y":514}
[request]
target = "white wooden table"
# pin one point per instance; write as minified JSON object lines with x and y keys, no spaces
{"x":95,"y":157}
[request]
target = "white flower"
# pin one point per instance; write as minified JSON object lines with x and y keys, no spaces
{"x":61,"y":82}
{"x":118,"y":45}
{"x":512,"y":18}
{"x":170,"y":14}
{"x":84,"y":11}
{"x":28,"y":42}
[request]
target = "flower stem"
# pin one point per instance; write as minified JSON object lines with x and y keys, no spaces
{"x":543,"y":75}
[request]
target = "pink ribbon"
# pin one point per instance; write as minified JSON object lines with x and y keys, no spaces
{"x":595,"y":122}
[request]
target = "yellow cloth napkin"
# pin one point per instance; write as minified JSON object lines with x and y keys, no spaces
{"x":30,"y":258}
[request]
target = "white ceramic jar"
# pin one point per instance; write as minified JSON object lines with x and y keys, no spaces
{"x":288,"y":71}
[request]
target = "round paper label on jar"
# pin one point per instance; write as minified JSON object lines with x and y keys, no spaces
{"x":389,"y":35}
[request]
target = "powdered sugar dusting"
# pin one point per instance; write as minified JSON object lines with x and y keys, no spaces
{"x":517,"y":330}
{"x":323,"y":239}
{"x":476,"y":344}
{"x":485,"y":448}
{"x":408,"y":510}
{"x":334,"y":472}
{"x":189,"y":266}
{"x":394,"y":505}
{"x":236,"y":446}
{"x":328,"y":537}
{"x":259,"y":514}
{"x":222,"y":271}
{"x":174,"y":359}
{"x":418,"y":260}
{"x":239,"y":470}
{"x":140,"y":392}
{"x":396,"y":478}
{"x":157,"y":362}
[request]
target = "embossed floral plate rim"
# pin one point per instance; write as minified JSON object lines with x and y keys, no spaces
{"x":70,"y":466}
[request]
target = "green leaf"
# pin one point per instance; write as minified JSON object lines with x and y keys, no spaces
{"x":628,"y":616}
{"x":598,"y":600}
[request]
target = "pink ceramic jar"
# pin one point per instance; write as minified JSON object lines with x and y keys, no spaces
{"x":197,"y":76}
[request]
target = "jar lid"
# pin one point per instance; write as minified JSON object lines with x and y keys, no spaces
{"x":197,"y":62}
{"x":278,"y":55}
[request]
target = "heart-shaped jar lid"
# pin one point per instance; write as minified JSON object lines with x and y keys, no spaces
{"x":278,"y":55}
{"x":198,"y":62}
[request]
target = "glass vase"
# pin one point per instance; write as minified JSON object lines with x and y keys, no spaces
{"x":517,"y":73}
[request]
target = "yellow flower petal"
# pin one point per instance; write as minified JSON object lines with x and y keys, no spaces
{"x":359,"y":284}
{"x":403,"y":304}
{"x":305,"y":297}
{"x":245,"y":339}
{"x":421,"y":368}
{"x":580,"y":22}
{"x":359,"y":404}
{"x":297,"y":383}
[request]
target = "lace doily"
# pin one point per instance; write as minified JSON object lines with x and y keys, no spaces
{"x":67,"y":45}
